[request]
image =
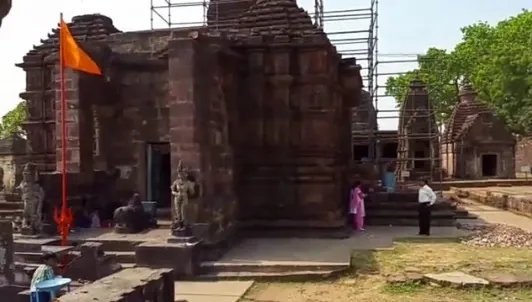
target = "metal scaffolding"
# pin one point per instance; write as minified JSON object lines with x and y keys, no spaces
{"x":353,"y":29}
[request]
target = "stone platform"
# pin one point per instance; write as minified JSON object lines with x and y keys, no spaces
{"x":516,"y":199}
{"x":447,"y":184}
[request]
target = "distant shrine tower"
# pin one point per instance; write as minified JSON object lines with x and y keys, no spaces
{"x":418,"y":146}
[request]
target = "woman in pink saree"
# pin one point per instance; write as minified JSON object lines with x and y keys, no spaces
{"x":357,"y":207}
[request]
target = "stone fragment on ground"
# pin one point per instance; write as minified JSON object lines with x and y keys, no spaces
{"x":499,"y":235}
{"x":504,"y":279}
{"x":405,"y":277}
{"x":458,"y":279}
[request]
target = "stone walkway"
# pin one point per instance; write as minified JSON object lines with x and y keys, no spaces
{"x":219,"y":291}
{"x":279,"y":251}
{"x":487,"y":214}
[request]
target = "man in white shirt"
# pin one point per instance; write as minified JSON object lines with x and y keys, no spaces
{"x":426,"y":198}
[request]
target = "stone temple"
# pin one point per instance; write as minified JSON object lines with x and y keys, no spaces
{"x":263,"y":110}
{"x":260,"y":112}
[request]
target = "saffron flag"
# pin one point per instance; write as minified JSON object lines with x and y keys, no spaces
{"x":73,"y":56}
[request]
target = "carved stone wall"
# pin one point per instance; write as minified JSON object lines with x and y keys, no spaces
{"x":523,"y":152}
{"x":295,"y":121}
{"x":200,"y":100}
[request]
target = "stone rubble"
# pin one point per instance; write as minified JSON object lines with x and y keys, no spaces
{"x":497,"y":235}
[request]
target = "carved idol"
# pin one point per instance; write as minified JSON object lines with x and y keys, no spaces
{"x":32,"y":196}
{"x":132,"y":218}
{"x":182,"y":191}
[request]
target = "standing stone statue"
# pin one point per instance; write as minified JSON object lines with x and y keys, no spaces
{"x":33,"y":197}
{"x":183,"y":189}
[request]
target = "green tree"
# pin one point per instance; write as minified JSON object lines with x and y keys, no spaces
{"x":437,"y":70}
{"x":12,"y":121}
{"x":496,"y":60}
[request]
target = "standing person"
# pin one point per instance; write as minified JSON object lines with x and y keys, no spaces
{"x":357,"y":207}
{"x":45,"y":271}
{"x":426,"y":198}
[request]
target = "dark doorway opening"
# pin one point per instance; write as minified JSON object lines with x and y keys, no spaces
{"x":489,"y":165}
{"x":159,"y":174}
{"x":419,"y":164}
{"x":360,"y":152}
{"x":389,"y":150}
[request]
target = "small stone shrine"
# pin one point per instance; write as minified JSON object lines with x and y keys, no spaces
{"x":476,"y":143}
{"x":418,"y":145}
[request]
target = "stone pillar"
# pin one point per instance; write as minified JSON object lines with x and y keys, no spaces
{"x":73,"y":162}
{"x":6,"y":253}
{"x":183,"y":121}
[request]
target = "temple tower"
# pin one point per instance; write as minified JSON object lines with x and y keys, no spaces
{"x":418,"y":150}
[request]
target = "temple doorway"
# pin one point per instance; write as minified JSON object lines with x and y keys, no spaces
{"x":489,"y":165}
{"x":389,"y":151}
{"x":159,"y":174}
{"x":360,"y":152}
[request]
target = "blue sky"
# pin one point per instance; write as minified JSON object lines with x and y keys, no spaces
{"x":405,"y":27}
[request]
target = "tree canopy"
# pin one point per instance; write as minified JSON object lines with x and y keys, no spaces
{"x":496,"y":60}
{"x":12,"y":121}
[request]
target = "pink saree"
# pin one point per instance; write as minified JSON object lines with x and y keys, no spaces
{"x":357,"y":208}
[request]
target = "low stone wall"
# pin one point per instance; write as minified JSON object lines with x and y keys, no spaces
{"x":129,"y":285}
{"x":519,"y":204}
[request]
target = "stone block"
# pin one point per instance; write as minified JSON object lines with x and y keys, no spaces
{"x":92,"y":264}
{"x":130,"y":285}
{"x":183,"y":258}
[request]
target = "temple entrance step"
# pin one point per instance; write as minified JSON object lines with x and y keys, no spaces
{"x":11,"y":205}
{"x":122,"y":257}
{"x":403,"y":206}
{"x":399,"y":221}
{"x":387,"y":213}
{"x":462,"y":213}
{"x":270,"y":270}
{"x":115,"y":245}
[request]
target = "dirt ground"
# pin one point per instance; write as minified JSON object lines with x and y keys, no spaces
{"x":367,"y":281}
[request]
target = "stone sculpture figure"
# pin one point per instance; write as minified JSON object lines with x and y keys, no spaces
{"x":183,"y":189}
{"x":132,"y":218}
{"x":33,"y":197}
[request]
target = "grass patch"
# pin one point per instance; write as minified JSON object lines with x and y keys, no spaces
{"x":367,"y":281}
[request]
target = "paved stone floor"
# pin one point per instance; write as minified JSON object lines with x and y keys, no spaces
{"x":273,"y":251}
{"x":211,"y":291}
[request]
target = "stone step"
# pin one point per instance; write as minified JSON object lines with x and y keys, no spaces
{"x":273,"y":267}
{"x":122,"y":257}
{"x":386,"y":213}
{"x":11,"y":205}
{"x":292,"y":275}
{"x":11,"y":212}
{"x":462,"y":213}
{"x":114,"y":245}
{"x":23,"y":244}
{"x":398,"y":221}
{"x":406,"y":206}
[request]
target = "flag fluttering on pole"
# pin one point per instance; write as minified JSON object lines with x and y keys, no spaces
{"x":70,"y":56}
{"x":73,"y":56}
